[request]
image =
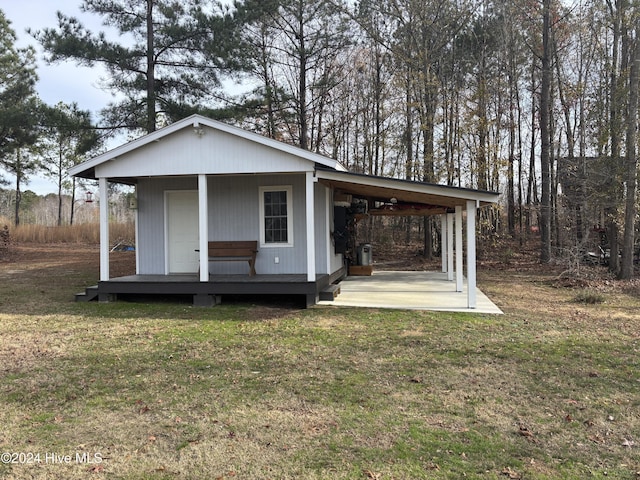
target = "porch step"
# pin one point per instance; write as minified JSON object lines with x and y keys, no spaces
{"x":330,"y":293}
{"x":360,"y":270}
{"x":90,"y":293}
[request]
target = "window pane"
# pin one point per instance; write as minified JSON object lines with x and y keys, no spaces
{"x":275,"y":217}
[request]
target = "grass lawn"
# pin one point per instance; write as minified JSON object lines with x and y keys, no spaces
{"x":260,"y":390}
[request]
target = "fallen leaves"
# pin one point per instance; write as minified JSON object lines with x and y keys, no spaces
{"x":96,"y":469}
{"x":507,"y":471}
{"x":229,"y":474}
{"x":524,"y":431}
{"x":628,"y":443}
{"x":142,"y":406}
{"x":596,"y":438}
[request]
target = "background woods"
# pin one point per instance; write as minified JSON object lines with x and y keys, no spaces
{"x":536,"y":99}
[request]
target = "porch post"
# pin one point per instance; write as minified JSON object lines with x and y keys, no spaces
{"x":311,"y":231}
{"x":203,"y":227}
{"x":103,"y":189}
{"x":459,"y":252}
{"x":450,"y":247}
{"x":328,"y":198}
{"x":443,"y":242}
{"x":471,"y":253}
{"x":136,"y":220}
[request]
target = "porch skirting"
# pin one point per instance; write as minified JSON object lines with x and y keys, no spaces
{"x":209,"y":293}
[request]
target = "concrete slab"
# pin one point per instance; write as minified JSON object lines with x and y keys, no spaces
{"x":410,"y":291}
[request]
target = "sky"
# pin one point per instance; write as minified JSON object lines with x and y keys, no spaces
{"x":64,"y":82}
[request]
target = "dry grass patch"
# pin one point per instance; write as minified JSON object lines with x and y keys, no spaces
{"x":86,"y":233}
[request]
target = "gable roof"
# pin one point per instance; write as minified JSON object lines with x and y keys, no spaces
{"x":198,"y":123}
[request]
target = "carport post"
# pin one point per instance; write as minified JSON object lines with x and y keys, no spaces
{"x":450,"y":247}
{"x":443,"y":242}
{"x":311,"y":233}
{"x":459,"y":252}
{"x":471,"y":253}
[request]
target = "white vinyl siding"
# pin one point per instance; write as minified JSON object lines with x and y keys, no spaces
{"x":234,"y":214}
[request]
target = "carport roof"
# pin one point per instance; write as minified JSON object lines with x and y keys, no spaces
{"x":426,"y":198}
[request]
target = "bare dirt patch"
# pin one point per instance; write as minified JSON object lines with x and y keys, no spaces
{"x":36,"y":258}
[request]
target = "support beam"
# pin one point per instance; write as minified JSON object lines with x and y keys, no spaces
{"x":136,"y":220}
{"x":459,"y":252}
{"x":203,"y":227}
{"x":450,"y":247}
{"x":471,"y":253}
{"x":311,"y":230}
{"x":443,"y":242}
{"x":328,"y":205}
{"x":103,"y":188}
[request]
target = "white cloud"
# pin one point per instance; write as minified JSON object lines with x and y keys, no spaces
{"x":64,"y":81}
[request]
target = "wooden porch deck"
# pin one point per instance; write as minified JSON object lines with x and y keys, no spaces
{"x":209,"y":293}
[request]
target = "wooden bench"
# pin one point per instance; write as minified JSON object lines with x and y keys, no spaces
{"x":232,"y":251}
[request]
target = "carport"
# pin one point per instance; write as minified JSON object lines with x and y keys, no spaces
{"x":457,"y":208}
{"x":408,"y":291}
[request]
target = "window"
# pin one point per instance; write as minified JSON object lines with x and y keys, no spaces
{"x":276,"y":216}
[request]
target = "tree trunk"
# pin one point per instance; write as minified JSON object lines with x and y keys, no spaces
{"x":631,"y":161}
{"x":619,"y":63}
{"x":428,"y":172}
{"x":545,"y":152}
{"x":378,"y":86}
{"x":511,"y":209}
{"x":18,"y":173}
{"x":532,"y":184}
{"x":73,"y":201}
{"x":60,"y":173}
{"x":302,"y":81}
{"x":482,"y":163}
{"x":151,"y":87}
{"x":266,"y":77}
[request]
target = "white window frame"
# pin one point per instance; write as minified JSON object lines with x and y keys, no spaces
{"x":277,"y":188}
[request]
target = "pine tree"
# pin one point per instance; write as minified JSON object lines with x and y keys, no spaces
{"x":67,"y":136}
{"x":18,"y":108}
{"x":169,"y":59}
{"x":17,"y":91}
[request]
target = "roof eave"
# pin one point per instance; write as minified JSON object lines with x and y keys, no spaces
{"x":482,"y":196}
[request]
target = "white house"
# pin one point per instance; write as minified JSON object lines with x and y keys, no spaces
{"x":199,"y":181}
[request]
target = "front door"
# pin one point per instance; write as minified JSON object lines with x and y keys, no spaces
{"x":182,"y":231}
